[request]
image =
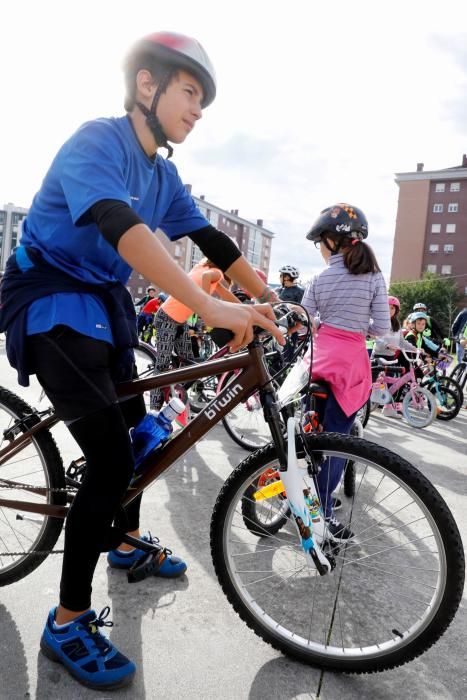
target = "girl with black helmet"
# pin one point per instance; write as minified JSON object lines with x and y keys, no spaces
{"x":350,"y":299}
{"x":70,"y":320}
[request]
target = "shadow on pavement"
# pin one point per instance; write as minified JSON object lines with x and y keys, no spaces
{"x":13,"y":667}
{"x":285,"y":679}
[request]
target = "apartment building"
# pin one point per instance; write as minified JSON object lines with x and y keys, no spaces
{"x":11,"y":218}
{"x":431,"y":224}
{"x":252,"y":238}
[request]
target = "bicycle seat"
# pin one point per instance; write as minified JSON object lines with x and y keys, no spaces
{"x":386,"y":363}
{"x":319,"y":389}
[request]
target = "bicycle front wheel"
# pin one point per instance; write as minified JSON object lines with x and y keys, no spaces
{"x":397,"y":583}
{"x":419,"y":407}
{"x":26,"y":538}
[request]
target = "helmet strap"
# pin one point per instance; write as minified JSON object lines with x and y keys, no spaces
{"x":333,"y":251}
{"x":152,"y":119}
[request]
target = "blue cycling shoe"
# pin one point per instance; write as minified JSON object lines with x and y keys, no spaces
{"x":89,"y":656}
{"x":170,"y":567}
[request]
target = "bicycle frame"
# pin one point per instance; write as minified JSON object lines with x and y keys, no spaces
{"x":252,"y":376}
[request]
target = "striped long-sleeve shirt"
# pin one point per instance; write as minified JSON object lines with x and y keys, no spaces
{"x":357,"y":303}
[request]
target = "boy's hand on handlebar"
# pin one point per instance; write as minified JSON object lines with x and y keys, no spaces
{"x":240,"y":319}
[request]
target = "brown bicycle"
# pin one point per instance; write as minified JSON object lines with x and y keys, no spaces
{"x":372,"y":603}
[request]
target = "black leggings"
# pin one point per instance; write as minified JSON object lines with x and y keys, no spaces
{"x":74,"y":372}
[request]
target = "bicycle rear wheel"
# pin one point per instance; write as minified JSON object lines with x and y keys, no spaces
{"x":396,"y":586}
{"x":26,"y":538}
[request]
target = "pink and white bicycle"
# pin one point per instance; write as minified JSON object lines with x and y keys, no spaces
{"x":402,"y":392}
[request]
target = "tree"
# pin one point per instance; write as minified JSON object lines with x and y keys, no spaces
{"x":440,"y":295}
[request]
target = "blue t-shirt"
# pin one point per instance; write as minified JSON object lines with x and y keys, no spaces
{"x":102,"y":160}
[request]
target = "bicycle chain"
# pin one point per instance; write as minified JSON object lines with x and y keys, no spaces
{"x":27,"y":487}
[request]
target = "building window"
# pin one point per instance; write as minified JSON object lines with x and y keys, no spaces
{"x":141,"y":277}
{"x":177,"y":250}
{"x":450,"y":228}
{"x":431,"y":268}
{"x":196,"y":255}
{"x":437,"y":208}
{"x":214,"y":219}
{"x":140,"y":290}
{"x":440,"y":186}
{"x":446,"y":269}
{"x":434,"y":247}
{"x":465,"y":291}
{"x":453,"y":207}
{"x":435,"y":228}
{"x":455,"y":186}
{"x":254,"y":247}
{"x":449,"y":248}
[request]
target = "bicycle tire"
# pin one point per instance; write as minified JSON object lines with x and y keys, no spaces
{"x":364,"y":413}
{"x":412,"y":412}
{"x":201,"y":393}
{"x":454,"y":386}
{"x":38,"y":464}
{"x":246,"y":424}
{"x":450,"y":404}
{"x":459,"y":374}
{"x":258,"y":596}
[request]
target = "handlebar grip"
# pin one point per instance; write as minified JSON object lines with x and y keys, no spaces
{"x":221,"y":336}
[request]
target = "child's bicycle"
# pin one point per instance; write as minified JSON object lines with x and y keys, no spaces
{"x":447,"y":392}
{"x":416,"y":404}
{"x":376,"y":602}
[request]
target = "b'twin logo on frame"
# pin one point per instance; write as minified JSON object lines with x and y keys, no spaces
{"x":220,"y":403}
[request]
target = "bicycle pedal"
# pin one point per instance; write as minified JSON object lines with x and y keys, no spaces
{"x":148,"y":565}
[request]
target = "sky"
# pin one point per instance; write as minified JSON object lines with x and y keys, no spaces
{"x":317,"y":103}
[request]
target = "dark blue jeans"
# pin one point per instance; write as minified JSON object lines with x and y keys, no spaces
{"x":333,"y":420}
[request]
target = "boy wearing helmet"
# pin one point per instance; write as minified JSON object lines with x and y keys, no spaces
{"x":289,"y":290}
{"x":351,"y":300}
{"x":70,"y":320}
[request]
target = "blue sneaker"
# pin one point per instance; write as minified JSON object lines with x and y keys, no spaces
{"x":89,"y":656}
{"x":171,"y":567}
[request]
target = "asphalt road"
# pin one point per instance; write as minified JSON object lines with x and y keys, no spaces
{"x":183,"y":635}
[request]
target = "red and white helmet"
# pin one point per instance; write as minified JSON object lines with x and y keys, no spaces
{"x":176,"y":51}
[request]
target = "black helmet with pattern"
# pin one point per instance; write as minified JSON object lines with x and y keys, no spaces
{"x":340,"y":220}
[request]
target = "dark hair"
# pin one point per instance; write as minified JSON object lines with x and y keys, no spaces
{"x":358,"y":256}
{"x":395,"y":322}
{"x":157,"y":68}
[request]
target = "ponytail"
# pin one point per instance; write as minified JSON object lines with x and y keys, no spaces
{"x":358,"y":256}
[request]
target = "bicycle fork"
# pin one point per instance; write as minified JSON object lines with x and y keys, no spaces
{"x":293,"y":483}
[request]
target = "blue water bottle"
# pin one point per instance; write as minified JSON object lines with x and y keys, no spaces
{"x":154,"y":429}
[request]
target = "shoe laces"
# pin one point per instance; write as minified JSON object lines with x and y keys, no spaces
{"x":102,"y":643}
{"x":155,"y":540}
